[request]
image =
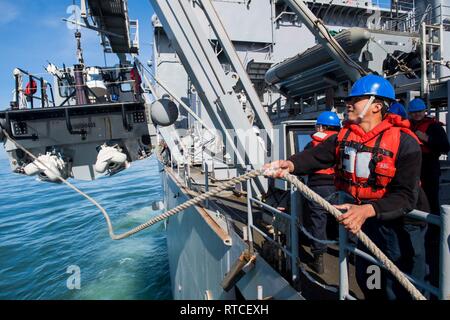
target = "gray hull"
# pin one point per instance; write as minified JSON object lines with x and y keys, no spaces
{"x":201,"y":253}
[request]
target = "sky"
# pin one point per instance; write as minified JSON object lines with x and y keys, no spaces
{"x":32,"y":32}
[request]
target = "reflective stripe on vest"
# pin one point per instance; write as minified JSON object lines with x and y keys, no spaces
{"x":318,"y":138}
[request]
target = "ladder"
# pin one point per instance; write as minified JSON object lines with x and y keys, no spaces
{"x":431,"y":37}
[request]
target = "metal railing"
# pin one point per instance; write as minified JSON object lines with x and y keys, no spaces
{"x":116,"y":87}
{"x":443,"y":221}
{"x":26,"y":96}
{"x":439,"y":15}
{"x":402,"y":5}
{"x":293,"y":251}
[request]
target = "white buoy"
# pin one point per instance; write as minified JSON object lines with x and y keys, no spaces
{"x":164,"y":112}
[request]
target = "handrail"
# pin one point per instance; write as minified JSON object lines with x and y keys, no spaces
{"x":368,"y":257}
{"x":443,"y":221}
{"x":44,"y":85}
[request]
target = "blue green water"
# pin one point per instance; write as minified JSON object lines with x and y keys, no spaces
{"x":46,"y":228}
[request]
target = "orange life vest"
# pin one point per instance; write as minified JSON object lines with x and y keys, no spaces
{"x":366,"y":161}
{"x":318,"y":138}
{"x":423,"y":126}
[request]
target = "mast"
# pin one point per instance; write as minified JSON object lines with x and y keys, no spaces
{"x":80,"y":89}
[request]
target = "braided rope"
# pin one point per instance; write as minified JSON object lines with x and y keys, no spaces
{"x":308,"y":193}
{"x":311,"y":195}
{"x":229,"y":184}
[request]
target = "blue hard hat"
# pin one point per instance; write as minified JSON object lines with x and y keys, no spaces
{"x":398,"y":108}
{"x":372,"y":85}
{"x":416,"y":105}
{"x":328,"y":118}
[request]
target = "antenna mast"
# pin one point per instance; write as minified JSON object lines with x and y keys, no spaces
{"x":78,"y":36}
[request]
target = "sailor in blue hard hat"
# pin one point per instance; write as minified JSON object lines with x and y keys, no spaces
{"x":369,"y":94}
{"x":377,"y":160}
{"x":398,"y":109}
{"x":417,"y":105}
{"x":434,"y":144}
{"x":329,"y":119}
{"x":328,"y":125}
{"x":417,"y":113}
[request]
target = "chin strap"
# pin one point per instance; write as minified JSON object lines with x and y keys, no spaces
{"x":366,"y":108}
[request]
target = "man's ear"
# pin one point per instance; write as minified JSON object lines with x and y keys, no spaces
{"x":377,"y":106}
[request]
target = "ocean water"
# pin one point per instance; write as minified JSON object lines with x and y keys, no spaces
{"x":48,"y":233}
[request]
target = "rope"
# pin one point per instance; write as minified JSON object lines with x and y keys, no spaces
{"x":229,"y":184}
{"x":308,"y":193}
{"x":181,"y":207}
{"x":390,"y":266}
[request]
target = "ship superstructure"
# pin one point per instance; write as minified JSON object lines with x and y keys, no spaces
{"x":90,"y":120}
{"x":296,"y":71}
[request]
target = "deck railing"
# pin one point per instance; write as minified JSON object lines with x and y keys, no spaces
{"x":442,"y":221}
{"x":25,"y":97}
